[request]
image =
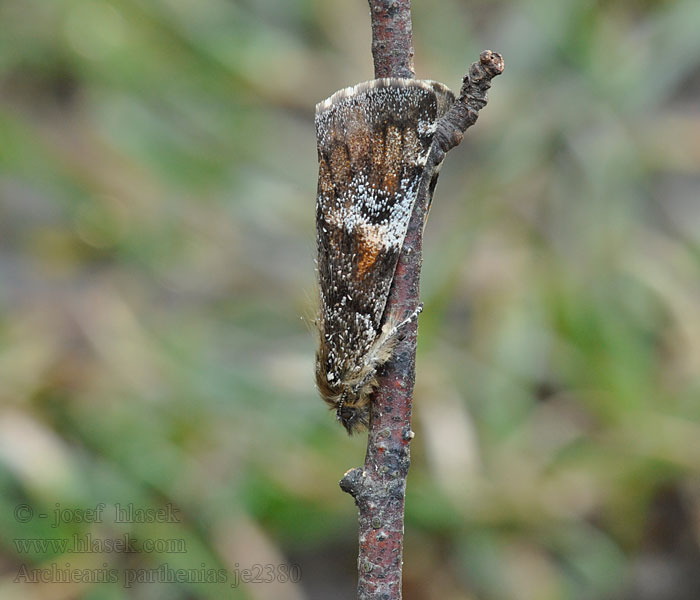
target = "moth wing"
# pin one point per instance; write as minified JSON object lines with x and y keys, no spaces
{"x":373,"y":141}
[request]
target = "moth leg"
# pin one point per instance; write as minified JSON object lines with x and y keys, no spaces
{"x":396,"y":329}
{"x":395,"y":334}
{"x":383,"y":351}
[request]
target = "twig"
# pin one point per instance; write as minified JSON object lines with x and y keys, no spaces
{"x":392,"y":38}
{"x":379,"y":488}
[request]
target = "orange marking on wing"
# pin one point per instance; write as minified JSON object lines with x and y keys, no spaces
{"x":368,"y":251}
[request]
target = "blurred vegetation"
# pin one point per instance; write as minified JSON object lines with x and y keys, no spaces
{"x":157,"y":189}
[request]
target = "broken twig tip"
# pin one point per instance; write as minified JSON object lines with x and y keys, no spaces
{"x":493,"y":62}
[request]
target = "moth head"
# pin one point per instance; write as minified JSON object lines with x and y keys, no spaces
{"x":352,"y":414}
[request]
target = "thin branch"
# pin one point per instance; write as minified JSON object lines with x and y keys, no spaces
{"x":379,"y":487}
{"x":392,"y":38}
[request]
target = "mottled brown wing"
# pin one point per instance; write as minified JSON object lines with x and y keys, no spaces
{"x":373,"y":141}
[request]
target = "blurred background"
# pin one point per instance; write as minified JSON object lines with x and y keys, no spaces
{"x":157,"y":188}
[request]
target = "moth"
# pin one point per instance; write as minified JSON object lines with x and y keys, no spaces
{"x":380,"y":147}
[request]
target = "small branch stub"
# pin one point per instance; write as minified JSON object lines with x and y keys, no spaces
{"x":472,"y":98}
